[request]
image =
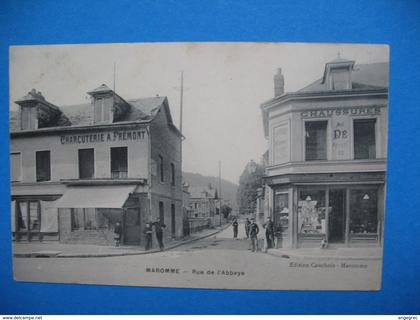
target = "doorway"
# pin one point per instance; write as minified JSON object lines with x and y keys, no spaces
{"x":336,"y":217}
{"x":132,"y":227}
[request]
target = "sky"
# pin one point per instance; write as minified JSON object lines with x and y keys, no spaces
{"x":224,"y":86}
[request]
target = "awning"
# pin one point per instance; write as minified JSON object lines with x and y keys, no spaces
{"x":95,"y":197}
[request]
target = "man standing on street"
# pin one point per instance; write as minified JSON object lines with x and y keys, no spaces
{"x":269,"y":233}
{"x":253,"y":233}
{"x":235,"y":228}
{"x":159,"y":226}
{"x":149,"y":234}
{"x":247,"y":224}
{"x":117,"y":234}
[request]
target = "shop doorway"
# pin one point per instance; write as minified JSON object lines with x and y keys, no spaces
{"x":132,"y":227}
{"x":336,"y":217}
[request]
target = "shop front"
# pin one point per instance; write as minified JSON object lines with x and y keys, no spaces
{"x":341,"y":213}
{"x":89,"y":214}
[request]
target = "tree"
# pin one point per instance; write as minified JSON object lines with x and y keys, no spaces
{"x":250,"y":181}
{"x":226,"y":210}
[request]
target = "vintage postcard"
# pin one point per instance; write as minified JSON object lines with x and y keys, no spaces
{"x":199,"y":165}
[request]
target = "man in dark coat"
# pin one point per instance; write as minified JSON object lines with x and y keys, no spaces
{"x":117,"y":234}
{"x":235,"y":228}
{"x":149,"y":234}
{"x":269,"y":233}
{"x":253,"y":233}
{"x":159,"y":226}
{"x":247,"y":224}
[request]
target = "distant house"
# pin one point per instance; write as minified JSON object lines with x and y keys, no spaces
{"x":204,"y":203}
{"x":77,"y":170}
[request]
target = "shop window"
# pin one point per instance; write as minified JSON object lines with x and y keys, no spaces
{"x":43,"y":166}
{"x":15,"y":167}
{"x":86,"y":163}
{"x":311,"y":212}
{"x":22,"y":224}
{"x":364,"y":139}
{"x":316,"y":140}
{"x":161,"y":171}
{"x":34,"y":215}
{"x":281,"y":212}
{"x":363,"y":211}
{"x":172,"y":174}
{"x":161,"y":212}
{"x":28,"y":216}
{"x":83,"y":219}
{"x":119,"y":163}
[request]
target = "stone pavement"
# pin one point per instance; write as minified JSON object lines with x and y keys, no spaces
{"x":61,"y":250}
{"x":366,"y":253}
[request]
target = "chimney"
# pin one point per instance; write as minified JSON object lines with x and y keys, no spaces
{"x":278,"y":83}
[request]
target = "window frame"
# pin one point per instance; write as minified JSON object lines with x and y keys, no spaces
{"x":110,"y":161}
{"x":161,"y":169}
{"x":377,"y":137}
{"x":327,"y":140}
{"x":36,"y":166}
{"x":20,"y":165}
{"x":172,"y":174}
{"x":94,"y":162}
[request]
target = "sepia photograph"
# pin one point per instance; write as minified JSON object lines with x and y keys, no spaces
{"x":219,"y":165}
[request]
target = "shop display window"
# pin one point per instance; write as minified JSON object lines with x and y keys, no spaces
{"x":22,"y":216}
{"x":281,"y":212}
{"x":311,"y":212}
{"x":363,"y":211}
{"x":83,"y":219}
{"x":28,"y":221}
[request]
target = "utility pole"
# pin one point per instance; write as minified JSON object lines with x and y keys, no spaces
{"x":220,"y":192}
{"x":181,"y":102}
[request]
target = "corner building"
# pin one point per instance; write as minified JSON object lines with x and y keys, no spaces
{"x":326,"y":172}
{"x":77,"y":170}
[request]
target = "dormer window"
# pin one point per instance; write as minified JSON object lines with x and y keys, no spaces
{"x":337,"y":74}
{"x":102,"y":110}
{"x":36,"y":112}
{"x":108,"y":107}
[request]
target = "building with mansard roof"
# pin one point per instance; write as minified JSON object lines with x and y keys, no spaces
{"x":326,"y":166}
{"x":78,"y":170}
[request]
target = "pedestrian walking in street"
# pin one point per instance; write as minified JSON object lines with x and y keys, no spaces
{"x":117,"y":234}
{"x":247,"y":224}
{"x":253,"y":233}
{"x":149,"y":234}
{"x":235,"y":228}
{"x":159,"y":226}
{"x":269,"y":233}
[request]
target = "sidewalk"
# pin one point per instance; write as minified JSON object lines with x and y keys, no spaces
{"x":368,"y":253}
{"x":61,"y":250}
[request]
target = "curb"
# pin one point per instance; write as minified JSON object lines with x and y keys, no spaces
{"x":58,"y":254}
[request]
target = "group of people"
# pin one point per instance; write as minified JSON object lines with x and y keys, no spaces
{"x":252,"y":230}
{"x":148,"y":231}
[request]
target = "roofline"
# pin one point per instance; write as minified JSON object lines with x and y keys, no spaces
{"x":321,"y":94}
{"x":52,"y":130}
